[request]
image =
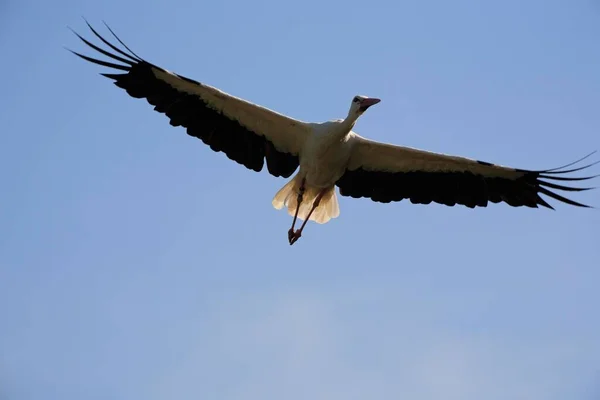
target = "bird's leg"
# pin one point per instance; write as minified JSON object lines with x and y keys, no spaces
{"x":296,"y":235}
{"x":299,"y":201}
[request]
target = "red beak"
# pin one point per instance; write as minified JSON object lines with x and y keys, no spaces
{"x":366,"y":103}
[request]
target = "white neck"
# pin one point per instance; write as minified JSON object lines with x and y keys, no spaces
{"x":351,"y":118}
{"x":341,"y":129}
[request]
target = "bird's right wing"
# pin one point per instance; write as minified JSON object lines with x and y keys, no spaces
{"x":247,"y":133}
{"x":385,"y":172}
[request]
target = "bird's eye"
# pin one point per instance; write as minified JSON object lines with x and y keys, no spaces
{"x":355,"y":100}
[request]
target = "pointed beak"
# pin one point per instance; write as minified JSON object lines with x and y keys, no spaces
{"x":366,"y":103}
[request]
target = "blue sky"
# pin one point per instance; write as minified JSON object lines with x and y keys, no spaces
{"x":135,"y":263}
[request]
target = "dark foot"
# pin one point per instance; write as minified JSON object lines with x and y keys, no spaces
{"x":294,"y":236}
{"x":290,"y":235}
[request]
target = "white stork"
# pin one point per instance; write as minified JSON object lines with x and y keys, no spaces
{"x":328,"y":154}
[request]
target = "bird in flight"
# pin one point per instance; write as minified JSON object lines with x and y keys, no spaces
{"x":326,"y":154}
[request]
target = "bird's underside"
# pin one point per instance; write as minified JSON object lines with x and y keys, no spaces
{"x":254,"y":136}
{"x":307,"y":203}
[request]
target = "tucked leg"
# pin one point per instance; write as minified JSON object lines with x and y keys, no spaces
{"x":301,"y":190}
{"x":296,"y":235}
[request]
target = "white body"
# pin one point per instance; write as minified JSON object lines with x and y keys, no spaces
{"x":323,"y":160}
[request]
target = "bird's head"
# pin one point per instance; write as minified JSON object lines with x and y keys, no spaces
{"x":360,"y":104}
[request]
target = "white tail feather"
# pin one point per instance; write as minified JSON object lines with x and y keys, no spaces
{"x":287,"y":196}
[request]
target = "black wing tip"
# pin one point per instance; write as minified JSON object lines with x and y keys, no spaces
{"x":129,"y":59}
{"x":543,"y":185}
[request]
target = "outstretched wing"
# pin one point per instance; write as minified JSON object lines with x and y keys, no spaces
{"x":247,"y":133}
{"x":386,"y":173}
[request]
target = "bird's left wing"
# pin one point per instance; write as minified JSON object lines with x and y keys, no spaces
{"x":247,"y":133}
{"x":385,"y":172}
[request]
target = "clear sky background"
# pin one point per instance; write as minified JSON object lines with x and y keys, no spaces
{"x":135,"y":263}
